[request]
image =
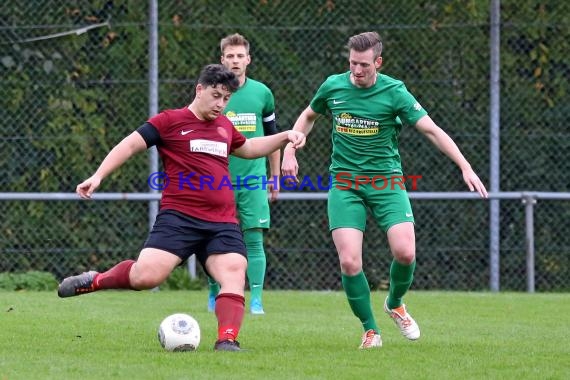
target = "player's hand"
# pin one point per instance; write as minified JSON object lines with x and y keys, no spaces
{"x":297,"y":139}
{"x":474,"y":183}
{"x":289,"y":165}
{"x":273,"y":188}
{"x":87,"y":187}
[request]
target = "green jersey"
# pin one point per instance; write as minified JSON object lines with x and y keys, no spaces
{"x":366,"y":122}
{"x":247,"y":108}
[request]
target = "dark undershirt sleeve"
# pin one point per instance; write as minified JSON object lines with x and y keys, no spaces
{"x":269,"y":127}
{"x":150,"y":134}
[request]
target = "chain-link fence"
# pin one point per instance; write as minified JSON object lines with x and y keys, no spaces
{"x":74,"y":80}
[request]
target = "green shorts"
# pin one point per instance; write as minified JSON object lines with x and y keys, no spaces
{"x":252,"y":208}
{"x":347,"y":206}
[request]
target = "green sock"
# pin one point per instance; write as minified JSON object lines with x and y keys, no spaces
{"x":401,"y":277}
{"x":358,"y":294}
{"x":213,"y":286}
{"x":256,"y":261}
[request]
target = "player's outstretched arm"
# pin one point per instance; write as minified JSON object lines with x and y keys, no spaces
{"x":304,"y":123}
{"x":261,"y":146}
{"x":445,"y":144}
{"x":130,"y":145}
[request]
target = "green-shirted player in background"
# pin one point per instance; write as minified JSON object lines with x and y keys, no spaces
{"x":252,"y":111}
{"x":368,"y":111}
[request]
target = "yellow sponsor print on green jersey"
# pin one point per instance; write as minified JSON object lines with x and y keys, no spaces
{"x":348,"y":124}
{"x":243,"y":122}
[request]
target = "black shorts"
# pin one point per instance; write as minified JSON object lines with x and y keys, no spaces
{"x":184,"y":236}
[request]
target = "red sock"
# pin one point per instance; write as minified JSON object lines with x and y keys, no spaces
{"x":229,"y":311}
{"x":115,"y":278}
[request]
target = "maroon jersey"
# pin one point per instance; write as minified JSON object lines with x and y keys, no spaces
{"x":195,"y":157}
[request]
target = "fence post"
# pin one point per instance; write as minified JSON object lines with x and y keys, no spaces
{"x":529,"y":201}
{"x":494,"y":141}
{"x":152,"y":100}
{"x":152,"y":95}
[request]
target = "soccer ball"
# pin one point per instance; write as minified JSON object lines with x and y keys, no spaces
{"x":179,"y":332}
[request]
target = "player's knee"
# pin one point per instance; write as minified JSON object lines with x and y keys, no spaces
{"x":350,"y":265}
{"x":405,"y":256}
{"x":145,"y":279}
{"x":232,"y":281}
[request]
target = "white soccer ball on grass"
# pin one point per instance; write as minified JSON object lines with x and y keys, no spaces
{"x":179,"y":332}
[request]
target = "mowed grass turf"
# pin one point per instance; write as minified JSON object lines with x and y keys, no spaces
{"x":304,"y":335}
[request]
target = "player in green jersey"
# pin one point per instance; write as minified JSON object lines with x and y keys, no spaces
{"x":368,"y":111}
{"x":252,"y":111}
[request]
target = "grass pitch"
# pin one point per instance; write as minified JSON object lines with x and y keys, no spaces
{"x":304,"y":335}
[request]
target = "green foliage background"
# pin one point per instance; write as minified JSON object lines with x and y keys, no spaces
{"x":65,"y":102}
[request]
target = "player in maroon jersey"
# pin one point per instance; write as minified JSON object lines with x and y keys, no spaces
{"x":197,"y":212}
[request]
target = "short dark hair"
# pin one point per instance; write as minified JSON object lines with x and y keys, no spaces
{"x":364,"y":41}
{"x":235,"y":39}
{"x":215,"y":74}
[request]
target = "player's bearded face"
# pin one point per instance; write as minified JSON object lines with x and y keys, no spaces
{"x":236,"y":58}
{"x":363,"y":67}
{"x":212,"y":100}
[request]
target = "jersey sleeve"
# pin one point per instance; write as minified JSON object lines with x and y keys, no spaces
{"x":160,"y":121}
{"x":408,"y":108}
{"x":268,"y":114}
{"x":269,"y":106}
{"x":319,"y":102}
{"x":150,"y":134}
